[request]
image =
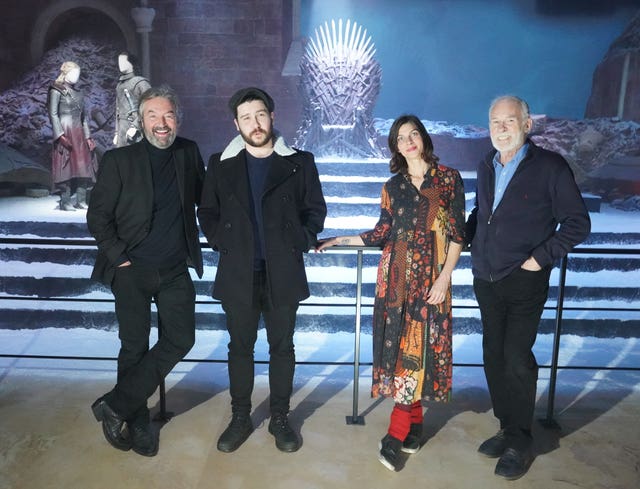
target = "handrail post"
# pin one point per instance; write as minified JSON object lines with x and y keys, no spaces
{"x":163,"y":416}
{"x":549,"y":422}
{"x":354,"y":418}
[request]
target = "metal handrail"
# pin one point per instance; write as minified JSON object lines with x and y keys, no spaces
{"x":355,"y":418}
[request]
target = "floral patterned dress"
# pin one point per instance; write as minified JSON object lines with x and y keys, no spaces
{"x":412,"y":357}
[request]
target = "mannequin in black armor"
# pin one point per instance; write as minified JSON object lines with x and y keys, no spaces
{"x":128,"y":91}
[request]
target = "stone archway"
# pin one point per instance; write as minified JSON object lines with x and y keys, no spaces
{"x":48,"y":16}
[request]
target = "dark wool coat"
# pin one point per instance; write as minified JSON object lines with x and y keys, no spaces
{"x":541,"y":195}
{"x":121,"y":204}
{"x":293,"y":214}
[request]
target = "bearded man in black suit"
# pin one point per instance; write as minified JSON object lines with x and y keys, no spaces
{"x":142,"y":213}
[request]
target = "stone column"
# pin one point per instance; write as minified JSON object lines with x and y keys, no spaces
{"x":143,"y":17}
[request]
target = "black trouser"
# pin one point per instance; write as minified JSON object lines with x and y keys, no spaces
{"x":140,"y":369}
{"x":242,"y":324}
{"x":511,"y":309}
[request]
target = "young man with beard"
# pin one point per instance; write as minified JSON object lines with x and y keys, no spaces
{"x":262,"y":208}
{"x":142,"y":215}
{"x":528,"y":214}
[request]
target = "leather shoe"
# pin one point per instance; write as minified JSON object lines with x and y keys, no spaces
{"x":389,"y":455}
{"x":513,"y":463}
{"x":113,"y":425}
{"x":286,"y":438}
{"x":413,"y":442}
{"x":495,"y":446}
{"x":239,"y":429}
{"x":143,"y":440}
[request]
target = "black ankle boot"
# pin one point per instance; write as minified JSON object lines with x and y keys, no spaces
{"x":239,"y":429}
{"x":390,"y":452}
{"x":412,"y":443}
{"x":286,"y":438}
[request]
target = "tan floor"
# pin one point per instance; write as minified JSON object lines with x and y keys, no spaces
{"x":49,"y":439}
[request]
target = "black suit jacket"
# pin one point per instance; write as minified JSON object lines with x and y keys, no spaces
{"x":121,"y":203}
{"x":293,"y":214}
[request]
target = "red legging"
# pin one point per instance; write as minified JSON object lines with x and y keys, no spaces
{"x":402,"y":417}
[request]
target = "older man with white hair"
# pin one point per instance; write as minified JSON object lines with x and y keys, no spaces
{"x":528,"y":214}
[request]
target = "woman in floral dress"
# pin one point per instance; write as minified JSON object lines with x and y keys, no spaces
{"x":421,"y":232}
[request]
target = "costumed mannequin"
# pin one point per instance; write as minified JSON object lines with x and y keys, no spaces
{"x":128,"y":91}
{"x":72,"y":159}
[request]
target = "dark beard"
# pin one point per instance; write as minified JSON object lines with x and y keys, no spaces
{"x":247,"y":139}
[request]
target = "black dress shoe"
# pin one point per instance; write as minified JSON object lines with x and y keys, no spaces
{"x":113,"y":425}
{"x":495,"y":446}
{"x":513,"y":463}
{"x":236,"y":433}
{"x":286,"y":438}
{"x":143,"y":440}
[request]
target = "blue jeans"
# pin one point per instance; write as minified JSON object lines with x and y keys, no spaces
{"x":511,"y":309}
{"x":140,"y":369}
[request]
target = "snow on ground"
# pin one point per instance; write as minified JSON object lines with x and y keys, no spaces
{"x":316,"y":346}
{"x":575,"y":351}
{"x":608,"y":220}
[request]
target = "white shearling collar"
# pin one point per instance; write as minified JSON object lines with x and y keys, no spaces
{"x":237,"y":144}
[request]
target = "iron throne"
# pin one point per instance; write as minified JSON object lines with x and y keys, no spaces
{"x":340,"y":83}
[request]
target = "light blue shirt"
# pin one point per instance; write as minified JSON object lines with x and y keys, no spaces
{"x":504,"y":174}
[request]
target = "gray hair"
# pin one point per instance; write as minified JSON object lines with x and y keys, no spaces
{"x":524,"y":106}
{"x":164,"y":91}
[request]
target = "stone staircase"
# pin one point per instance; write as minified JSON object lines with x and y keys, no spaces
{"x":48,"y":285}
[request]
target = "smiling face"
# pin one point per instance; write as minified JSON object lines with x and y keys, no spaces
{"x":159,"y":122}
{"x":508,"y":127}
{"x":255,"y":123}
{"x":409,"y":141}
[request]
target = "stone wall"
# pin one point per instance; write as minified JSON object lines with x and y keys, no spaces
{"x":205,"y":49}
{"x":208,"y":50}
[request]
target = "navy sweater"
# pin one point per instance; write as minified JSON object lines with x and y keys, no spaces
{"x":541,"y":195}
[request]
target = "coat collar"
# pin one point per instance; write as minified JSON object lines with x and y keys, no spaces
{"x":491,"y":155}
{"x":280,"y":147}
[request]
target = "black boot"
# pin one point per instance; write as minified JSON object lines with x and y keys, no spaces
{"x":236,"y":433}
{"x":390,"y":452}
{"x":144,"y":441}
{"x":286,"y":438}
{"x":412,"y":443}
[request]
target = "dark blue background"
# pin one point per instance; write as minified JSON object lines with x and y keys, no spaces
{"x":447,"y":59}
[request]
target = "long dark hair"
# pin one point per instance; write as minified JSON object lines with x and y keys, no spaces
{"x":398,"y":163}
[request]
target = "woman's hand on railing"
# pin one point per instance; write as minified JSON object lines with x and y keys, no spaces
{"x":324,"y":243}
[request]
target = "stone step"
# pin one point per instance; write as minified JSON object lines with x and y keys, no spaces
{"x":74,"y":256}
{"x":84,"y":287}
{"x":78,"y":230}
{"x":327,"y":323}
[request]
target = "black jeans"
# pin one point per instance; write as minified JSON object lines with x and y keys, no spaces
{"x":511,"y":309}
{"x":140,"y":369}
{"x":242,"y":324}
